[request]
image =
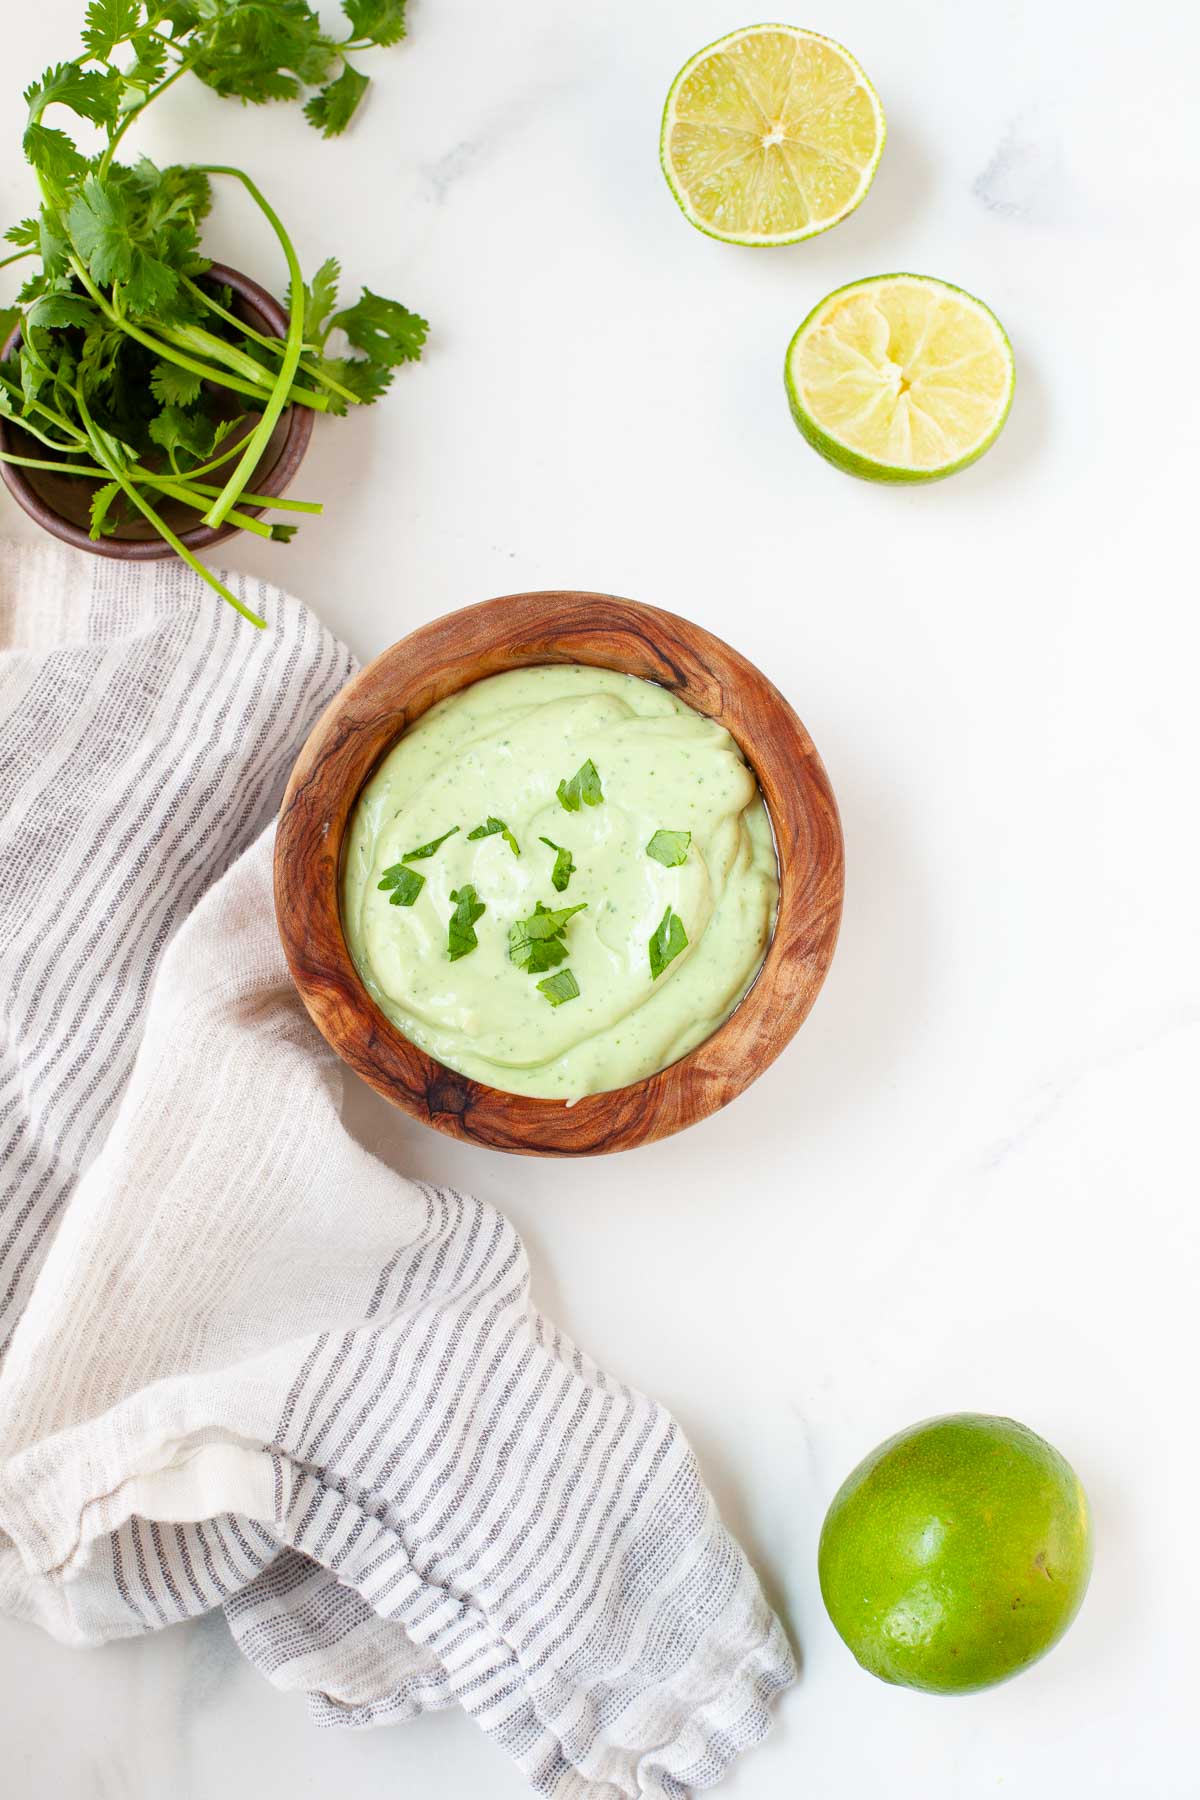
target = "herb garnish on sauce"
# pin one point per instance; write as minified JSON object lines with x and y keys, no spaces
{"x":467,"y":909}
{"x":560,"y":987}
{"x":583,"y":789}
{"x":490,"y":828}
{"x":670,"y":848}
{"x":536,"y":943}
{"x":428,"y":849}
{"x":667,"y":942}
{"x":405,"y":884}
{"x":564,"y":865}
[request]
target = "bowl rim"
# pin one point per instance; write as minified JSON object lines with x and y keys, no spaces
{"x":298,"y":420}
{"x":526,"y":630}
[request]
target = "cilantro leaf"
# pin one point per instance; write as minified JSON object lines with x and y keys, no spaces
{"x":559,"y":988}
{"x":365,"y":380}
{"x":95,"y":94}
{"x":102,"y":500}
{"x":380,"y":20}
{"x":468,"y":908}
{"x":536,"y":943}
{"x":383,"y":329}
{"x":256,"y":52}
{"x":428,"y":849}
{"x":332,"y":109}
{"x":99,"y":231}
{"x":53,"y":154}
{"x":405,"y":884}
{"x":174,"y":386}
{"x":55,"y":312}
{"x":670,"y":848}
{"x":151,"y":285}
{"x":583,"y":789}
{"x":491,"y":828}
{"x":138,"y":227}
{"x":564,"y":865}
{"x":150,"y":64}
{"x":108,"y":23}
{"x":320,"y":298}
{"x":52,"y":244}
{"x":667,"y":942}
{"x":175,"y":429}
{"x":27,"y":234}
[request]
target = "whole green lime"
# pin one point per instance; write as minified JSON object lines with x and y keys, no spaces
{"x":956,"y":1554}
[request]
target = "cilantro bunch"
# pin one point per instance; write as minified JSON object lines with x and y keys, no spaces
{"x":133,"y":370}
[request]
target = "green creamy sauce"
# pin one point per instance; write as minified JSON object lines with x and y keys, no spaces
{"x":500,"y":749}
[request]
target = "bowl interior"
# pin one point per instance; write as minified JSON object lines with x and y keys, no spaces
{"x":520,"y":631}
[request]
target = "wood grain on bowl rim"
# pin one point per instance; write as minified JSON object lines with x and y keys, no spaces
{"x":521,"y":631}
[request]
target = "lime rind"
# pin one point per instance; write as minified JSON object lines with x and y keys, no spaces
{"x":768,"y":241}
{"x":853,"y":462}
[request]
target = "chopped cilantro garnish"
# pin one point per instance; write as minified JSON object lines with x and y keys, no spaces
{"x":536,"y":943}
{"x":560,"y":987}
{"x":490,"y":828}
{"x":583,"y":789}
{"x":667,"y":942}
{"x":405,"y":884}
{"x":428,"y":849}
{"x":670,"y":848}
{"x":467,"y":909}
{"x":564,"y":865}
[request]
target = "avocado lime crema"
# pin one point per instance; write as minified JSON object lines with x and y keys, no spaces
{"x":559,"y":881}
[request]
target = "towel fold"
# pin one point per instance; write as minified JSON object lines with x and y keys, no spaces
{"x":244,"y":1364}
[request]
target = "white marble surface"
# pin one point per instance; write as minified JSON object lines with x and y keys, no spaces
{"x":970,"y":1183}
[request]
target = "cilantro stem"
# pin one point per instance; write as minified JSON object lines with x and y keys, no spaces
{"x":273,"y":344}
{"x":160,"y":525}
{"x":171,"y":353}
{"x":79,"y":438}
{"x":194,"y":337}
{"x":260,"y":437}
{"x":18,"y":255}
{"x":59,"y":468}
{"x":276,"y":501}
{"x":175,"y":490}
{"x":134,"y":111}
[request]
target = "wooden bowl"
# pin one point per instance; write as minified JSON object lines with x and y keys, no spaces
{"x":518,"y":631}
{"x":61,"y":504}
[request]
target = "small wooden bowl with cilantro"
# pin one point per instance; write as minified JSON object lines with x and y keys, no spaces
{"x":526,"y":631}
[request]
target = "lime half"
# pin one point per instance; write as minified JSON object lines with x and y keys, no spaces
{"x":900,"y":378}
{"x":770,"y":135}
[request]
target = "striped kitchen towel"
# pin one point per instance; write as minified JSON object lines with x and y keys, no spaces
{"x":244,"y":1365}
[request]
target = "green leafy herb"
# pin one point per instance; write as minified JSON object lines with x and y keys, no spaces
{"x":424,"y":850}
{"x":536,"y":943}
{"x":560,"y":987}
{"x":670,"y":848}
{"x":385,"y":331}
{"x":468,"y":908}
{"x":133,"y":364}
{"x":404,"y":882}
{"x":667,"y":942}
{"x":583,"y":789}
{"x":332,"y":109}
{"x":564,"y":865}
{"x":382,"y":20}
{"x":491,"y":828}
